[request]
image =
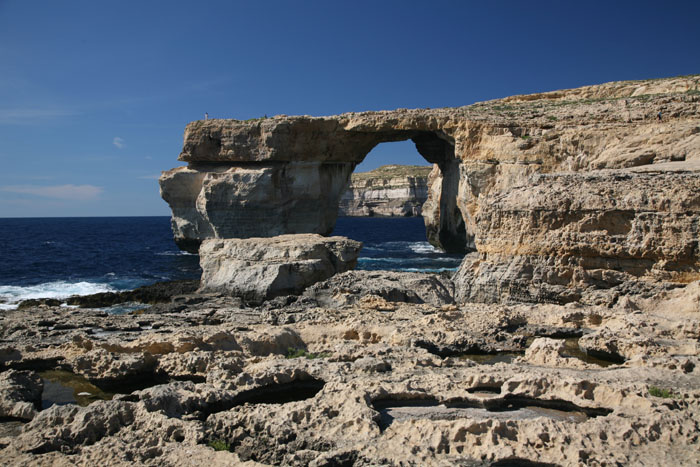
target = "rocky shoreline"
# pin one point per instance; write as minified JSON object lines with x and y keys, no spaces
{"x":365,"y":368}
{"x":570,"y":335}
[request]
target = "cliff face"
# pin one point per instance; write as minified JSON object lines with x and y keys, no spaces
{"x":390,"y":190}
{"x":564,"y":237}
{"x":287,"y":174}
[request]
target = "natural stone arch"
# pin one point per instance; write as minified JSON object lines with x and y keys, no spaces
{"x":443,"y":220}
{"x":282,"y":176}
{"x":532,"y":192}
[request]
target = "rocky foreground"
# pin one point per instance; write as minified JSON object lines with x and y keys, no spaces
{"x":366,"y":368}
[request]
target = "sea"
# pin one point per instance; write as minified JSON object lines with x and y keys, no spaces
{"x":60,"y":257}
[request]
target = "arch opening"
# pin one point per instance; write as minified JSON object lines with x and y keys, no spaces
{"x":381,"y":205}
{"x":444,"y":223}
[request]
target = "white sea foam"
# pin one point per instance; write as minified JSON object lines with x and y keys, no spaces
{"x":175,"y":253}
{"x":395,"y":245}
{"x":11,"y":295}
{"x":416,"y":247}
{"x":431,"y":270}
{"x":417,"y":260}
{"x":423,"y":247}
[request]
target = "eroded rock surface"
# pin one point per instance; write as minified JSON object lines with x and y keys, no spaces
{"x":20,"y":394}
{"x":257,"y":269}
{"x":294,"y":169}
{"x":366,"y":385}
{"x":353,"y":286}
{"x":562,"y":237}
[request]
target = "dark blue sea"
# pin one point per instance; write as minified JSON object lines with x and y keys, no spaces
{"x":59,"y":257}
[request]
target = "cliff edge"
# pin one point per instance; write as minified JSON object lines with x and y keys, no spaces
{"x":571,"y":190}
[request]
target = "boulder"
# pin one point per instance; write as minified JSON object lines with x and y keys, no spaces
{"x":391,"y":286}
{"x":20,"y":394}
{"x":551,"y":352}
{"x":104,"y":367}
{"x":258,"y":269}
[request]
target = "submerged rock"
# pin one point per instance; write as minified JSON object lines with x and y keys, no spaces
{"x":258,"y":269}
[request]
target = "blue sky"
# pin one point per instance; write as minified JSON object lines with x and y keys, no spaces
{"x":95,"y":95}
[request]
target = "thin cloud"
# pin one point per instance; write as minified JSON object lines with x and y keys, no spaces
{"x":28,"y":116}
{"x":118,"y":142}
{"x":71,"y":192}
{"x":150,"y":177}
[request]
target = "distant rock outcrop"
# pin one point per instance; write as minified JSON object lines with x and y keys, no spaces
{"x":390,"y":190}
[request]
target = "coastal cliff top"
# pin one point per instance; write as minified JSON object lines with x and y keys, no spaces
{"x":633,"y":90}
{"x":394,"y":171}
{"x":349,"y":137}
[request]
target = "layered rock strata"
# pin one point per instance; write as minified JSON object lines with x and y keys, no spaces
{"x":561,"y":237}
{"x":390,"y":190}
{"x":257,"y":269}
{"x":286,"y":175}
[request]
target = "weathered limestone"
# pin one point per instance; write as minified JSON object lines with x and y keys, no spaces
{"x":257,"y":269}
{"x":20,"y":394}
{"x":561,"y":235}
{"x":253,"y":200}
{"x":367,"y":386}
{"x":410,"y":287}
{"x":286,"y":174}
{"x":390,"y":190}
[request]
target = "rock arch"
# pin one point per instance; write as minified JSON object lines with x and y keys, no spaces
{"x":561,"y":194}
{"x":286,"y":175}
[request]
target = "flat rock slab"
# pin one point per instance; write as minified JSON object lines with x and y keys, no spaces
{"x":258,"y":269}
{"x":441,"y":412}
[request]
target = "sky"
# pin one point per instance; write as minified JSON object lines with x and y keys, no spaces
{"x":95,"y":95}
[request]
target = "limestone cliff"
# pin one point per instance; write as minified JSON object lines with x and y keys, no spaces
{"x":287,"y":174}
{"x":390,"y":190}
{"x":563,"y":237}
